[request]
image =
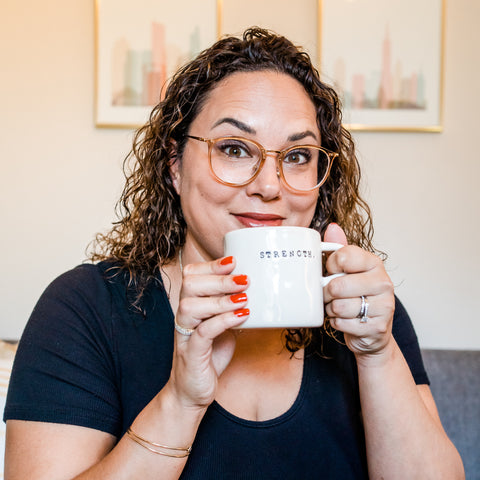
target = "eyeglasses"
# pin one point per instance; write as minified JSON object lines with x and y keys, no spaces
{"x":237,"y":161}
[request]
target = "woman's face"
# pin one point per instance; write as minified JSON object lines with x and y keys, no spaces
{"x":268,"y":107}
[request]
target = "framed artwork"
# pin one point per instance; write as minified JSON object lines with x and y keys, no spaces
{"x":139,"y":45}
{"x":385,"y":59}
{"x":298,"y":20}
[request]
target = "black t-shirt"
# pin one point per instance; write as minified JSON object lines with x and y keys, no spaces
{"x":88,"y":357}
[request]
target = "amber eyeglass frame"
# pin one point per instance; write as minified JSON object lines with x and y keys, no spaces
{"x":280,"y":156}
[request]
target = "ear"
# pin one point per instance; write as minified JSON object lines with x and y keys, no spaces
{"x":174,"y":166}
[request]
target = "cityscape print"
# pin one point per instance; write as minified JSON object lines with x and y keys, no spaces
{"x":138,"y":76}
{"x":389,"y":87}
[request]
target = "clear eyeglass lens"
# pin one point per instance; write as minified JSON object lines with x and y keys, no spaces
{"x":237,"y":160}
{"x":305,"y":167}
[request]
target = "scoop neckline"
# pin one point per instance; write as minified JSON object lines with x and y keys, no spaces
{"x":282,"y":418}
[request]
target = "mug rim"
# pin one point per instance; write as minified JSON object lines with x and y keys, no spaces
{"x":277,"y":228}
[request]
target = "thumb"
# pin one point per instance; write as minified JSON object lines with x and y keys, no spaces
{"x":334,"y":233}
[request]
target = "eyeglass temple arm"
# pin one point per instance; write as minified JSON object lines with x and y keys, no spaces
{"x":197,"y":138}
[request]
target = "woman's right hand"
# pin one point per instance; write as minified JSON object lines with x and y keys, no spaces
{"x":211,"y":302}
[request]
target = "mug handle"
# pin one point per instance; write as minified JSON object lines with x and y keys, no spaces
{"x":331,"y":247}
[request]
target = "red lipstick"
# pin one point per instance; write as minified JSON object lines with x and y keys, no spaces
{"x":254,"y":219}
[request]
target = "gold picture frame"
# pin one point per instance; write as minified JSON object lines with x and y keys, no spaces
{"x":138,"y":46}
{"x":386,"y":61}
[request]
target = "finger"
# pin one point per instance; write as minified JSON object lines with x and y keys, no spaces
{"x":211,"y":285}
{"x":220,"y":266}
{"x":346,"y":308}
{"x":368,"y":333}
{"x":370,"y":283}
{"x":212,"y":328}
{"x":334,"y":233}
{"x":351,"y":308}
{"x":352,"y":259}
{"x":201,"y":340}
{"x":192,"y":310}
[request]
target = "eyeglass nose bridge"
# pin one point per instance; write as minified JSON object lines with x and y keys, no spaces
{"x":280,"y":155}
{"x":264,"y":152}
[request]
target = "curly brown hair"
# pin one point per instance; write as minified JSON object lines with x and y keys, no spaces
{"x":152,"y":229}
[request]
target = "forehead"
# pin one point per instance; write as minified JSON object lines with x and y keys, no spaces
{"x":266,"y":92}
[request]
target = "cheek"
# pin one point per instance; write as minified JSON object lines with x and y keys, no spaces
{"x":201,"y":195}
{"x":209,"y":190}
{"x":305,"y":205}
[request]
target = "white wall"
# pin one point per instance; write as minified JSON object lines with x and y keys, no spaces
{"x":60,"y":176}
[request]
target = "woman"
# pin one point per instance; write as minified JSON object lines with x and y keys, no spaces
{"x":104,"y":386}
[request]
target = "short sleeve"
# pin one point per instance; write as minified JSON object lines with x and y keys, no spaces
{"x":407,"y":340}
{"x":64,"y":369}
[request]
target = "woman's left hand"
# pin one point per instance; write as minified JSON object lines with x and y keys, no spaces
{"x":365,"y":276}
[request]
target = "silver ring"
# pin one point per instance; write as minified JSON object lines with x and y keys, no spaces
{"x":182,"y":330}
{"x":363,"y":314}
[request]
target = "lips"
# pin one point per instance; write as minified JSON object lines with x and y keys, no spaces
{"x":253,"y":219}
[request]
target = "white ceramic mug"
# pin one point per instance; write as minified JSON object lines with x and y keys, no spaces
{"x":284,"y":266}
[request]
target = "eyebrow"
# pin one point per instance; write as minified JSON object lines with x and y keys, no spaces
{"x":300,"y":136}
{"x":236,"y":123}
{"x":247,"y":129}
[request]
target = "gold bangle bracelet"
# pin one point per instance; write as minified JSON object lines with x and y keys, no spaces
{"x":153,"y":447}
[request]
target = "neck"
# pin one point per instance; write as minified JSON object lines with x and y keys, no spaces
{"x":260,"y":342}
{"x":193,"y":252}
{"x":261,"y":352}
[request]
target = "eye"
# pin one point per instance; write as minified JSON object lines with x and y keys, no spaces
{"x":299,"y":156}
{"x":233,"y":149}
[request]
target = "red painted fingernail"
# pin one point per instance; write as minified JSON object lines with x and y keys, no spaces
{"x":240,"y":279}
{"x":226,"y":260}
{"x":242,"y":312}
{"x":238,"y":297}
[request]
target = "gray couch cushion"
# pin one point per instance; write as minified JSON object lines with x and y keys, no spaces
{"x":455,"y":383}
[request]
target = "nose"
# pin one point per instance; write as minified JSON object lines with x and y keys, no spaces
{"x":268,"y":183}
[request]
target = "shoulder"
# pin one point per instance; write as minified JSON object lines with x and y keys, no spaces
{"x":79,"y":300}
{"x":87,"y":284}
{"x":96,"y":298}
{"x":85,"y":277}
